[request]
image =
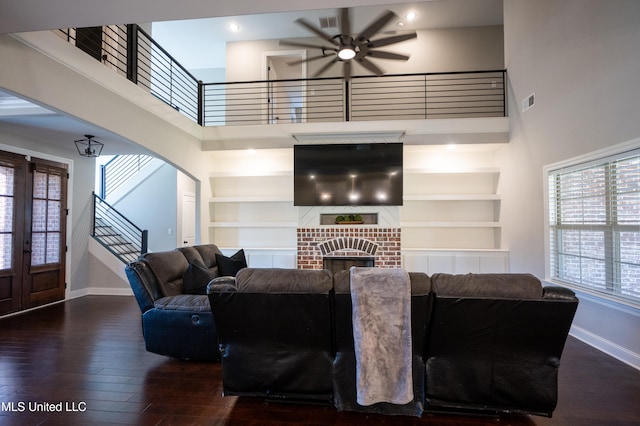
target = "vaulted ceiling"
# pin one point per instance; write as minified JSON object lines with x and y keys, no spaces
{"x":206,"y":22}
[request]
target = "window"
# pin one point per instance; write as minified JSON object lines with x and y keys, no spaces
{"x":6,"y":216}
{"x":594,"y":225}
{"x":46,"y":218}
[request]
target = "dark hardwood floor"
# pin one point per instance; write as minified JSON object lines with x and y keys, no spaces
{"x":87,"y":358}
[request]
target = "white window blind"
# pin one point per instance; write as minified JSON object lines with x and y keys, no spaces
{"x":594,"y":225}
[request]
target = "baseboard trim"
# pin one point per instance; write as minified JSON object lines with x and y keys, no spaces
{"x":100,"y":291}
{"x":612,"y":349}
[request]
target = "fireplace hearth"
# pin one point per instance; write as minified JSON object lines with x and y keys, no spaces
{"x":380,"y":243}
{"x":343,"y":263}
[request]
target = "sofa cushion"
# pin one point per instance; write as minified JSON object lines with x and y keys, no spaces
{"x":276,"y":280}
{"x":169,"y":267}
{"x":196,"y":278}
{"x":192,"y":255}
{"x":208,"y":254}
{"x":229,"y":266}
{"x":184,"y":302}
{"x":505,"y":286}
{"x":420,"y":283}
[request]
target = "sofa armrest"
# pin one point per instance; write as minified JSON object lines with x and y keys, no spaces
{"x":556,"y":292}
{"x":143,"y":283}
{"x":221,"y":284}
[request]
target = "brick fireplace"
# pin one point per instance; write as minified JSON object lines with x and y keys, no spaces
{"x":314,"y":244}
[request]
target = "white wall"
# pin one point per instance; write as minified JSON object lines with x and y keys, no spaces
{"x":443,"y":50}
{"x":152,"y":205}
{"x":582,"y":60}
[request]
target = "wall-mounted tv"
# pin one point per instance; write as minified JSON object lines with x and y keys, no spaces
{"x":361,"y":174}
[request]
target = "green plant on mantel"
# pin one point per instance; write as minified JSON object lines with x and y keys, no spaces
{"x":348,"y":218}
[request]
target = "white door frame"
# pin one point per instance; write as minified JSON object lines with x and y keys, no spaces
{"x":302,"y":54}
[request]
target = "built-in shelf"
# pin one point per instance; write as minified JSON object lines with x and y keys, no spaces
{"x":253,"y":224}
{"x":450,"y":209}
{"x":245,"y":174}
{"x":253,"y":199}
{"x":453,"y":171}
{"x":450,"y":224}
{"x":452,"y":197}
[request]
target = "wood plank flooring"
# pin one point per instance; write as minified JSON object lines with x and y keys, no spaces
{"x":86,"y":357}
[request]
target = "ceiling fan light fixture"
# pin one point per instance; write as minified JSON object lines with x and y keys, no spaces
{"x":347,"y":52}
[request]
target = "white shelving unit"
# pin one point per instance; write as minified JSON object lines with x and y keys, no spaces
{"x":450,"y":218}
{"x":451,"y":209}
{"x":252,"y":211}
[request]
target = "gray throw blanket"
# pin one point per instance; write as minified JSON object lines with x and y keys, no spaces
{"x":381,"y":302}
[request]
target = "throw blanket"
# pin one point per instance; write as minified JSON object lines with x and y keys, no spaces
{"x":381,"y":303}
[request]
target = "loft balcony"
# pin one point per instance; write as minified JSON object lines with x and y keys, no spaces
{"x":131,"y":52}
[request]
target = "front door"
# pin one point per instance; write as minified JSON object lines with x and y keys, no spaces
{"x":33,"y":198}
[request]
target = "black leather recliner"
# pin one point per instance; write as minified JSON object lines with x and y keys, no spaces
{"x":494,"y":343}
{"x":275,"y":333}
{"x":175,"y":324}
{"x":481,"y":343}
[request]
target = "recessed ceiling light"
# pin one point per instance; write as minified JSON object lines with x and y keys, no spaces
{"x":410,"y":16}
{"x":234,"y":27}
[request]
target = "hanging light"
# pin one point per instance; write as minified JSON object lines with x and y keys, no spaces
{"x":89,"y":147}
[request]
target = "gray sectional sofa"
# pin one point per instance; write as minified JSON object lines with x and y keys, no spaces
{"x":479,"y":343}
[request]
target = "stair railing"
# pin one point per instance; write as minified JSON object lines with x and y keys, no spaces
{"x":119,"y":170}
{"x":116,"y":233}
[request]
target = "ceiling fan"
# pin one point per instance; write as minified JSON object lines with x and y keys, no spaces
{"x":347,"y":48}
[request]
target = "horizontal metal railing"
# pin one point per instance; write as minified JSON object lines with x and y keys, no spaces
{"x":130,"y":51}
{"x":389,"y":97}
{"x":119,"y":170}
{"x":165,"y":78}
{"x":117,"y":233}
{"x":429,"y":95}
{"x":275,"y":101}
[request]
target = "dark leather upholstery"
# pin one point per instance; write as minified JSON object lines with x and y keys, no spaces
{"x":494,"y":343}
{"x":173,"y":323}
{"x":344,"y":363}
{"x":481,"y":343}
{"x":275,"y":333}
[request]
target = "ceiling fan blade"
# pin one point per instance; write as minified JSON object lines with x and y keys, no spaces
{"x":310,"y":59}
{"x":317,"y":31}
{"x":309,"y":45}
{"x":375,"y":26}
{"x":370,"y":66}
{"x":325,"y":67}
{"x":387,"y":55}
{"x":391,"y":40}
{"x":345,"y":25}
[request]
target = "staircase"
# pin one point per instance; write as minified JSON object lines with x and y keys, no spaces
{"x":117,"y":233}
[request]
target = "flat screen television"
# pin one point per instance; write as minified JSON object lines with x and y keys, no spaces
{"x":361,"y":174}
